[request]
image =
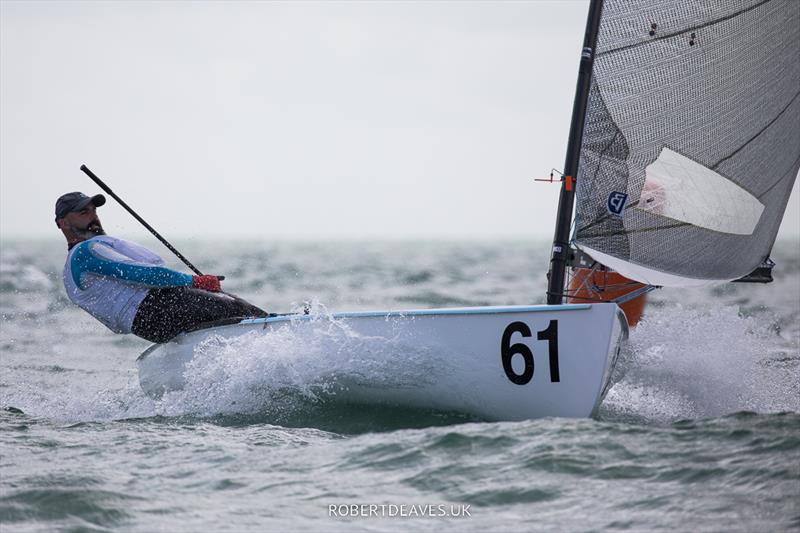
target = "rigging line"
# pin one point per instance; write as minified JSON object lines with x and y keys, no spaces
{"x":673,"y":34}
{"x":641,"y":291}
{"x":770,"y":123}
{"x":786,"y":175}
{"x":602,"y":154}
{"x":585,"y":282}
{"x":628,"y":232}
{"x":584,"y":298}
{"x":605,"y":217}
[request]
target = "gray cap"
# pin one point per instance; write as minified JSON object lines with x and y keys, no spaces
{"x":75,"y":201}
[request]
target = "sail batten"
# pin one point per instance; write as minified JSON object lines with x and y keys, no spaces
{"x":684,"y":30}
{"x":691,"y":142}
{"x":754,"y":137}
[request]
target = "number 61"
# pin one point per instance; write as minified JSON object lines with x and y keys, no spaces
{"x":508,"y":351}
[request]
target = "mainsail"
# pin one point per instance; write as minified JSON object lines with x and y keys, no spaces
{"x":691,"y":139}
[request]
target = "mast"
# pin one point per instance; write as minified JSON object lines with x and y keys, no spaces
{"x":558,"y":260}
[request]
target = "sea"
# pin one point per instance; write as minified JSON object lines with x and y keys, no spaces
{"x":701,"y":434}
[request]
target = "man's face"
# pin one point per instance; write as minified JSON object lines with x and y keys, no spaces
{"x":85,"y":223}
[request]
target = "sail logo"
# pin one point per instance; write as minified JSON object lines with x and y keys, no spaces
{"x":616,"y":203}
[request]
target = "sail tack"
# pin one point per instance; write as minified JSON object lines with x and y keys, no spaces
{"x":691,"y":140}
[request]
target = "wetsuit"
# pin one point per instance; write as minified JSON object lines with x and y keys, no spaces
{"x":127,"y":287}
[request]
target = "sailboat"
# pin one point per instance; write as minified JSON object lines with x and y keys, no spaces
{"x":683,"y":148}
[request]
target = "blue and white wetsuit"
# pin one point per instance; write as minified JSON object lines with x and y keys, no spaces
{"x":95,"y":269}
{"x":128,"y":288}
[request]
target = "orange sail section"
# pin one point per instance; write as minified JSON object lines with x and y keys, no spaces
{"x":604,"y":285}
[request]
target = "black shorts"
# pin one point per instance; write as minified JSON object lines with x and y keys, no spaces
{"x":171,"y":310}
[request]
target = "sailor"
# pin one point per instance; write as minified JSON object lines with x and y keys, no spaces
{"x":127,"y":287}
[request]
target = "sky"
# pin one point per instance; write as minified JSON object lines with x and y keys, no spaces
{"x":291,"y":120}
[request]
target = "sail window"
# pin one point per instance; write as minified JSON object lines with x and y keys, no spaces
{"x":684,"y":190}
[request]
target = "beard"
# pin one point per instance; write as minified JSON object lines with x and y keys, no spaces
{"x":92,"y":230}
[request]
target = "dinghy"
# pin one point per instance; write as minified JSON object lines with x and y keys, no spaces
{"x":496,"y":363}
{"x":683,"y":149}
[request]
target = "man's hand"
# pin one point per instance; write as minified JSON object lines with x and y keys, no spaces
{"x":207,"y":283}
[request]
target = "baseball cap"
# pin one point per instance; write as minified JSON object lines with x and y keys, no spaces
{"x":75,"y":201}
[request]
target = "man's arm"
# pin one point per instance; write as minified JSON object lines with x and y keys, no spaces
{"x":98,"y":258}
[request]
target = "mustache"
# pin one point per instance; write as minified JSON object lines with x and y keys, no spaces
{"x":94,"y":224}
{"x":90,"y":232}
{"x":92,"y":228}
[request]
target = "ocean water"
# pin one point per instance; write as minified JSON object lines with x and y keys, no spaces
{"x":702,"y":433}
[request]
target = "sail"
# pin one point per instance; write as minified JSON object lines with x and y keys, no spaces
{"x":691,"y":140}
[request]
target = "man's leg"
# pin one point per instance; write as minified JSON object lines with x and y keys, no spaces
{"x":166,"y":312}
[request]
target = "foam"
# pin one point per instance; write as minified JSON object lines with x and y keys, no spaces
{"x":705,"y":362}
{"x":290,"y":369}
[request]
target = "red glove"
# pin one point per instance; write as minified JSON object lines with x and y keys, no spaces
{"x":207,"y":283}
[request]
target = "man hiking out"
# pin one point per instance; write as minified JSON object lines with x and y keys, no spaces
{"x":126,"y":287}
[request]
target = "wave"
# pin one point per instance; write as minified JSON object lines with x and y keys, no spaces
{"x":706,"y":362}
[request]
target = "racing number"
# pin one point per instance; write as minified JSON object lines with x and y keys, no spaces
{"x":551,"y":336}
{"x":508,"y":351}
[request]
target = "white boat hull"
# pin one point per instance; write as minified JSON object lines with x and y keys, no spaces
{"x":496,"y":363}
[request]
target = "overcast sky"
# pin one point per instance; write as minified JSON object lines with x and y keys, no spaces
{"x":285,"y":120}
